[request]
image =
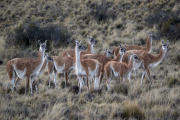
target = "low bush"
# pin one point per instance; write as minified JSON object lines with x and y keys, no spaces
{"x":27,"y":35}
{"x":132,"y":109}
{"x":168,"y":23}
{"x":172,"y":81}
{"x":121,"y":88}
{"x":103,"y":11}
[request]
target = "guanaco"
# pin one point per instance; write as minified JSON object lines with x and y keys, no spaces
{"x":120,"y":69}
{"x":90,"y":49}
{"x":147,"y":48}
{"x":149,"y":60}
{"x":86,"y":68}
{"x":27,"y":68}
{"x":104,"y":60}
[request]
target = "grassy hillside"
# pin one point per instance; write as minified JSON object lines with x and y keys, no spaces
{"x":110,"y":22}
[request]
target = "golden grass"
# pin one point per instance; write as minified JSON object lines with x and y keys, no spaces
{"x":159,"y":100}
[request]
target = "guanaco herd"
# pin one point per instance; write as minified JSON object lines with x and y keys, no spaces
{"x":86,"y":64}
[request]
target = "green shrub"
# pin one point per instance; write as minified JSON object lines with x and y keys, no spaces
{"x":103,"y":11}
{"x":173,"y":81}
{"x":132,"y":109}
{"x":121,"y":88}
{"x":168,"y":23}
{"x":27,"y":35}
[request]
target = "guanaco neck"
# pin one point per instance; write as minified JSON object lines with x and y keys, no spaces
{"x":44,"y":65}
{"x":159,"y":57}
{"x":40,"y":60}
{"x":130,"y":65}
{"x":90,"y":48}
{"x":77,"y":58}
{"x":149,"y":44}
{"x":40,"y":57}
{"x":118,"y":58}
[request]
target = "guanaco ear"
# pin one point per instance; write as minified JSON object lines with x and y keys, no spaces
{"x":45,"y":41}
{"x":125,"y":46}
{"x":119,"y":45}
{"x":105,"y":49}
{"x":76,"y":41}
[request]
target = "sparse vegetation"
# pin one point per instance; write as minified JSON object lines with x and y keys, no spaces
{"x":172,"y":81}
{"x":132,"y":109}
{"x":110,"y":22}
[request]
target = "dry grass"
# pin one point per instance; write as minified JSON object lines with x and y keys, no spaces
{"x":128,"y":24}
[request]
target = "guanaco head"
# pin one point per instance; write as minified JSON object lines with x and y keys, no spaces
{"x":108,"y":53}
{"x":137,"y":62}
{"x":79,"y":46}
{"x":122,"y":50}
{"x":165,"y":45}
{"x":153,"y":37}
{"x":135,"y":57}
{"x":92,"y":41}
{"x":150,"y":34}
{"x":48,"y":58}
{"x":42,"y":45}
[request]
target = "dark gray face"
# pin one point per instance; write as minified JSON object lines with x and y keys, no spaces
{"x":165,"y":45}
{"x":122,"y":49}
{"x":108,"y":53}
{"x":92,"y":40}
{"x":136,"y":58}
{"x":42,"y":46}
{"x":48,"y":58}
{"x":81,"y":47}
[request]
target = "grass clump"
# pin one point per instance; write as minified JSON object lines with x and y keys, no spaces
{"x":121,"y":88}
{"x":173,"y":82}
{"x":103,"y":11}
{"x":132,"y":109}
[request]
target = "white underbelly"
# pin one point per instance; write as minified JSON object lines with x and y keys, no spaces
{"x":20,"y":73}
{"x":80,"y":71}
{"x":153,"y":64}
{"x":59,"y":68}
{"x":116,"y":73}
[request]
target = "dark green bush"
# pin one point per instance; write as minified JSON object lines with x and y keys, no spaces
{"x":28,"y":34}
{"x":173,"y":82}
{"x":103,"y":11}
{"x":121,"y":88}
{"x":168,"y":23}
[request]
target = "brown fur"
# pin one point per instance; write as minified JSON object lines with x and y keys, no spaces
{"x":102,"y":59}
{"x":60,"y":61}
{"x":71,"y":52}
{"x":42,"y":70}
{"x":121,"y":68}
{"x":146,"y":57}
{"x":29,"y":64}
{"x":146,"y":48}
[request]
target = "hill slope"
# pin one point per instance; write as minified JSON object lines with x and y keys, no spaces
{"x":110,"y":22}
